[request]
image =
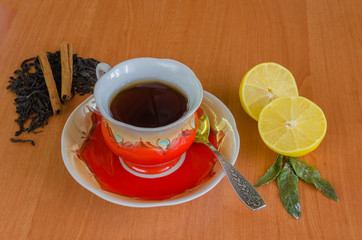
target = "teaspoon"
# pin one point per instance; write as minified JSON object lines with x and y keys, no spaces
{"x":242,"y":187}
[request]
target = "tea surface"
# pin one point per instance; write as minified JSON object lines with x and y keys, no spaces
{"x":148,"y":104}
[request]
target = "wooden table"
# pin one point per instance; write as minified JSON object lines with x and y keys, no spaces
{"x":320,"y":42}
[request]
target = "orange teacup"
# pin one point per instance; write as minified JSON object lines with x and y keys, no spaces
{"x":148,"y":151}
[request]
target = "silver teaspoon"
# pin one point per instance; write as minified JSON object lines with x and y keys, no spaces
{"x":242,"y":187}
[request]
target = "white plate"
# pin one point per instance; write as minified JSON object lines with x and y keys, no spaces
{"x":79,"y":123}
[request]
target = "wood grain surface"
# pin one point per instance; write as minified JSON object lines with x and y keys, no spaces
{"x":319,"y":41}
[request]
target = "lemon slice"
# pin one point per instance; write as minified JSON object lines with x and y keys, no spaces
{"x":264,"y":83}
{"x":292,"y":126}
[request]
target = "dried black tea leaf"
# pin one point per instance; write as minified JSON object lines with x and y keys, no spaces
{"x":32,"y":98}
{"x":22,"y":141}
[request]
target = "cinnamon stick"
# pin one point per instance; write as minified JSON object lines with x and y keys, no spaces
{"x":66,"y":56}
{"x":70,"y":61}
{"x":49,"y":80}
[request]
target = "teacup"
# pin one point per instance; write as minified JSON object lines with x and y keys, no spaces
{"x":148,"y":151}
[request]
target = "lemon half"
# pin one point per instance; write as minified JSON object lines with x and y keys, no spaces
{"x":292,"y":126}
{"x":264,"y":83}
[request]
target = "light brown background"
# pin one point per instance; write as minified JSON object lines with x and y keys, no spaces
{"x":320,"y":41}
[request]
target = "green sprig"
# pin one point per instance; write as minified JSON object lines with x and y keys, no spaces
{"x":287,"y":171}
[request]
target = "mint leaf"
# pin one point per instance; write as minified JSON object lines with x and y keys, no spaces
{"x":309,"y":174}
{"x":326,"y":188}
{"x":272,"y":173}
{"x":288,"y":190}
{"x":304,"y":170}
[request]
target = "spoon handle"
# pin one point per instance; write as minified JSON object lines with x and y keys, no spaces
{"x":242,"y":187}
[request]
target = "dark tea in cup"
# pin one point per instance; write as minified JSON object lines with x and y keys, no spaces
{"x":148,"y":104}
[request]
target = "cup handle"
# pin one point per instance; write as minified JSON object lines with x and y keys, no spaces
{"x":101,"y":69}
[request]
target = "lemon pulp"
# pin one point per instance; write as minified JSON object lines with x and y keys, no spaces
{"x":264,"y":83}
{"x":292,"y":126}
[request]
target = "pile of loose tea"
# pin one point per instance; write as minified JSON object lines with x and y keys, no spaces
{"x":33,"y":104}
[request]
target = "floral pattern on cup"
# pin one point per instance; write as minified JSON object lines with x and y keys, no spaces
{"x":118,"y":138}
{"x":163,"y":143}
{"x":159,"y":144}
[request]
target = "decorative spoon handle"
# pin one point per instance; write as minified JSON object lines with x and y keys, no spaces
{"x":242,"y":187}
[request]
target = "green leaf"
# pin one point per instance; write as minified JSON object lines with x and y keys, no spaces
{"x":288,"y":190}
{"x":304,"y":170}
{"x":309,"y":174}
{"x":272,"y":173}
{"x":326,"y":188}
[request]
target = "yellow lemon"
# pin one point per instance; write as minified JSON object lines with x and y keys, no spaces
{"x":264,"y":83}
{"x":292,"y":126}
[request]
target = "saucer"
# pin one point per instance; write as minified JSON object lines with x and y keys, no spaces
{"x":97,"y":169}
